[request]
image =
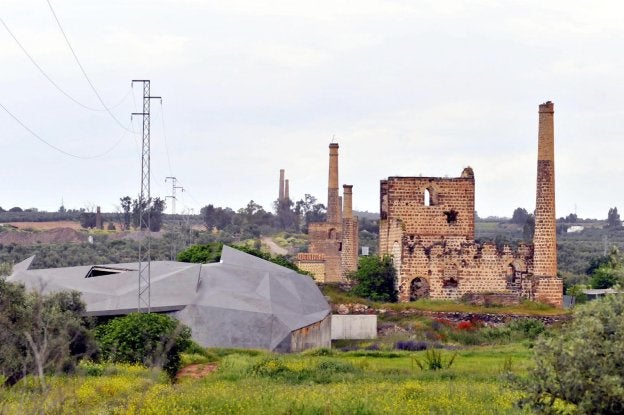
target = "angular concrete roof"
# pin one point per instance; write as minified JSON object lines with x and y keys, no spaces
{"x":243,"y":301}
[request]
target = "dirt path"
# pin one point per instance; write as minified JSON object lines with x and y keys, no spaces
{"x":275,"y":248}
{"x":197,"y":371}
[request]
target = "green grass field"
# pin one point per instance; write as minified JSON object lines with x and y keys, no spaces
{"x":313,"y":382}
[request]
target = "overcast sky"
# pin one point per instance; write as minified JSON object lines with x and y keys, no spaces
{"x":406,"y":87}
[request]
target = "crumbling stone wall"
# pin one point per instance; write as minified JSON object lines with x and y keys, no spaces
{"x":432,"y":241}
{"x":427,"y":225}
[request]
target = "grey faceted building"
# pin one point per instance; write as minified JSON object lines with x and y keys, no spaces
{"x":241,"y":302}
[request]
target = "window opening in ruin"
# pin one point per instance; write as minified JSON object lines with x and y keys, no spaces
{"x":430,"y":196}
{"x":419,"y":288}
{"x":332,"y":233}
{"x":411,"y":243}
{"x":451,"y":216}
{"x":450,"y":283}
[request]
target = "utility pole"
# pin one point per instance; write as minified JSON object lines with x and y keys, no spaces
{"x":173,"y":192}
{"x":145,"y":200}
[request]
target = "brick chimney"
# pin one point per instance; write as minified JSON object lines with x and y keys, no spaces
{"x":333,"y":200}
{"x":347,"y":200}
{"x":549,"y":288}
{"x":281,"y":186}
{"x":98,"y":219}
{"x":286,"y":190}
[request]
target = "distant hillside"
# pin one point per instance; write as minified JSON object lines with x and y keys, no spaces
{"x":366,"y":215}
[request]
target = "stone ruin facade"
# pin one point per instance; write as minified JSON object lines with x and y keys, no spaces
{"x":333,"y":244}
{"x":427,"y":226}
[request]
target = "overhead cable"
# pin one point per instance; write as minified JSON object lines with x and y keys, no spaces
{"x":84,"y":73}
{"x":60,"y":150}
{"x":162,"y":118}
{"x":49,"y":78}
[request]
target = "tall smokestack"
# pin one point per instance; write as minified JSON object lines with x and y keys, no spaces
{"x":281,"y":186}
{"x":98,"y":218}
{"x":545,"y":239}
{"x":286,"y":190}
{"x":333,"y":201}
{"x":347,"y":207}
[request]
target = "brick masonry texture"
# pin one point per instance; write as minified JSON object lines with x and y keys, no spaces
{"x":427,"y":226}
{"x":334,"y":244}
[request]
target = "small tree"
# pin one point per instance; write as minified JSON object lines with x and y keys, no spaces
{"x":613,"y":218}
{"x":126,"y":206}
{"x":375,"y":279}
{"x":520,"y":216}
{"x":155,"y":340}
{"x":607,"y":271}
{"x":579,"y":370}
{"x":528,"y":230}
{"x":55,"y":332}
{"x":40,"y":333}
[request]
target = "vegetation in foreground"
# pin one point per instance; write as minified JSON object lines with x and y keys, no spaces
{"x":317,"y":382}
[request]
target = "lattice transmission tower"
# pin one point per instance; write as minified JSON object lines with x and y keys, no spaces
{"x":145,"y":200}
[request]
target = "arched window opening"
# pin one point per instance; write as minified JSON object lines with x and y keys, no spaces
{"x":332,"y":233}
{"x":427,"y":197}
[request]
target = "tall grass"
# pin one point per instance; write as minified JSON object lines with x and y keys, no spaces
{"x":359,"y":382}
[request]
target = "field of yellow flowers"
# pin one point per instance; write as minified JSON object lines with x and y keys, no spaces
{"x":315,"y":382}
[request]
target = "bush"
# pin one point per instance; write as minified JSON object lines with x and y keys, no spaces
{"x":528,"y":328}
{"x":150,"y":339}
{"x":204,"y":254}
{"x":581,"y":366}
{"x":433,"y":360}
{"x":375,"y":279}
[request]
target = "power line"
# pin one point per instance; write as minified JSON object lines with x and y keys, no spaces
{"x":84,"y":73}
{"x":60,"y":150}
{"x":162,"y":118}
{"x":49,"y":78}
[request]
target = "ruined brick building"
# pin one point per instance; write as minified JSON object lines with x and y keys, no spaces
{"x":427,"y":226}
{"x":333,"y":244}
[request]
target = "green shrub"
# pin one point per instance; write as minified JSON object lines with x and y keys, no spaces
{"x":433,"y":360}
{"x":529,"y":328}
{"x":581,"y":365}
{"x":204,"y":254}
{"x":375,"y":279}
{"x":147,"y":338}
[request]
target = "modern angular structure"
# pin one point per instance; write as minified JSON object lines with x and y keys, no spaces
{"x":241,"y":302}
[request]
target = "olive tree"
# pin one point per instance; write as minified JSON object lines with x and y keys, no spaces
{"x":580,"y":369}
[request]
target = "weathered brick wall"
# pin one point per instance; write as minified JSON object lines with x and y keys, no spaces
{"x":312,"y":263}
{"x":435,"y":255}
{"x":350,"y":245}
{"x":450,"y":273}
{"x":320,"y":233}
{"x":448,"y":210}
{"x":549,"y":290}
